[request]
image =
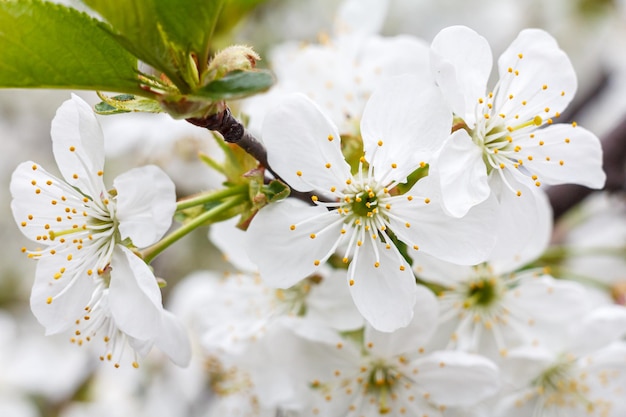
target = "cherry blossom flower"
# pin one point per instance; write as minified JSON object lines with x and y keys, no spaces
{"x":402,"y":125}
{"x":506,"y":140}
{"x":87,"y":276}
{"x":392,"y":374}
{"x":583,"y":375}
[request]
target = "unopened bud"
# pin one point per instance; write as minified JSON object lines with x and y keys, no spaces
{"x":233,"y":58}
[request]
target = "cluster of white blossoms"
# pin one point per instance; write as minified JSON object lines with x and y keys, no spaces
{"x":403,"y":286}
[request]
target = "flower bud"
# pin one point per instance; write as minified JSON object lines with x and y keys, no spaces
{"x":233,"y":58}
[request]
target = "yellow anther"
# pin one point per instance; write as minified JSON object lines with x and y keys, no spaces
{"x":517,"y":148}
{"x":331,"y":138}
{"x":69,"y":257}
{"x":89,"y":272}
{"x":380,"y":143}
{"x":72,"y":149}
{"x":486,"y":116}
{"x":327,"y":165}
{"x":519,"y":193}
{"x":548,"y":158}
{"x":524,"y":103}
{"x":37,"y":191}
{"x":24,"y":224}
{"x":537,"y":120}
{"x":394,"y":165}
{"x":510,"y":96}
{"x":343,"y":231}
{"x":75,"y":176}
{"x":422,"y":164}
{"x":100,"y":173}
{"x":376,"y":264}
{"x":510,"y":69}
{"x":427,"y":200}
{"x":351,"y":282}
{"x":534,"y":177}
{"x":541,"y":143}
{"x":501,"y":165}
{"x":33,"y":182}
{"x":407,"y":225}
{"x":312,"y":236}
{"x":495,"y":151}
{"x":299,"y":173}
{"x":316,"y":262}
{"x":348,"y":181}
{"x":544,"y":87}
{"x":409,"y":197}
{"x":402,"y":268}
{"x":561,"y":162}
{"x":516,"y":72}
{"x":292,"y":227}
{"x":359,"y":243}
{"x":574,"y":124}
{"x":502,"y":115}
{"x":314,"y":198}
{"x":345,"y":260}
{"x":49,"y":300}
{"x":481,"y":101}
{"x":34,"y":167}
{"x":537,"y":183}
{"x":567,"y":140}
{"x":530,"y":157}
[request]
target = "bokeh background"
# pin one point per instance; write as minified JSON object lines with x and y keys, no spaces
{"x":49,"y":377}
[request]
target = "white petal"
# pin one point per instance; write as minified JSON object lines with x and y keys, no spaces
{"x":569,"y":154}
{"x":146,"y":202}
{"x":404,"y":121}
{"x":523,"y":228}
{"x":457,"y":378}
{"x":173,"y":339}
{"x":331,"y":303}
{"x":463,"y":241}
{"x":134,"y":295}
{"x":285,"y":256}
{"x":603,"y":326}
{"x":410,"y":338}
{"x":231,"y":240}
{"x":542,"y":64}
{"x":461,"y":65}
{"x":44,"y":206}
{"x":69,"y":294}
{"x":300,"y":142}
{"x":522,"y":365}
{"x":462,"y":174}
{"x":78,"y":146}
{"x":385,"y":295}
{"x":360,"y":17}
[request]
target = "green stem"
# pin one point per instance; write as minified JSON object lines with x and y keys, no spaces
{"x":153,"y":251}
{"x":211,"y":196}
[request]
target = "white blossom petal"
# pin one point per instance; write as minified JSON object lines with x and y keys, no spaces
{"x":134,"y":295}
{"x":173,"y":339}
{"x":384,"y":294}
{"x":57,"y":302}
{"x":463,"y":241}
{"x":78,"y":146}
{"x":461,"y":64}
{"x":563,"y":153}
{"x":146,"y":202}
{"x":599,"y":328}
{"x":404,"y":121}
{"x":410,"y":338}
{"x":534,"y":70}
{"x":454,"y":378}
{"x":285,"y":255}
{"x":462,"y":173}
{"x":304,"y":146}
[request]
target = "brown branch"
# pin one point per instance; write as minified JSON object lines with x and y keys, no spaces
{"x":234,"y":132}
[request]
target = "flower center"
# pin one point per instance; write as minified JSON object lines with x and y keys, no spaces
{"x":482,"y":293}
{"x":380,"y":383}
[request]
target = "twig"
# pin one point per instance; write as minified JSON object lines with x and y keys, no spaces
{"x":234,"y":132}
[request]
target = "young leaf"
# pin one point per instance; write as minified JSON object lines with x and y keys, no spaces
{"x":237,"y":84}
{"x":46,"y":45}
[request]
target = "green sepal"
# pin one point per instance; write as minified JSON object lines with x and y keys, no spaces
{"x":236,"y":85}
{"x":126,"y":103}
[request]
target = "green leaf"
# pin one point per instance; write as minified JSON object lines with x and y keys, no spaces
{"x":168,"y":35}
{"x":190,"y":24}
{"x":46,"y":45}
{"x":126,"y":103}
{"x":237,"y":84}
{"x":134,"y":25}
